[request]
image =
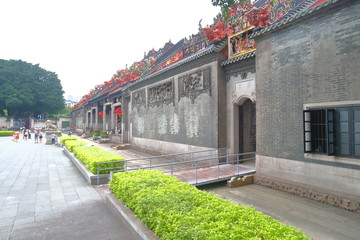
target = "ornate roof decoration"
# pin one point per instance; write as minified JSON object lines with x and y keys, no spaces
{"x":243,"y":22}
{"x":302,"y":9}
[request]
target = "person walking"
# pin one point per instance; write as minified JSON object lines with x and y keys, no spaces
{"x":25,"y":134}
{"x":17,"y":136}
{"x":53,"y":138}
{"x":40,"y":137}
{"x":36,"y":137}
{"x":14,"y":136}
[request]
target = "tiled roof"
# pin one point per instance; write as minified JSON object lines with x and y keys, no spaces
{"x":216,"y":47}
{"x":166,"y":55}
{"x":239,"y":58}
{"x":301,"y":11}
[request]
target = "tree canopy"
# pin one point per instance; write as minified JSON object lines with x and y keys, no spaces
{"x":225,"y":5}
{"x":27,"y":89}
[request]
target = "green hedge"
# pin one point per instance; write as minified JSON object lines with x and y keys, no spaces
{"x":91,"y":156}
{"x":63,"y":139}
{"x":6,"y":133}
{"x":71,"y":144}
{"x":177,"y":210}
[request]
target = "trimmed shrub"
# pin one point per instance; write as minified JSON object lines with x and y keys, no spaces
{"x":104,"y":134}
{"x":6,"y":133}
{"x":71,"y":144}
{"x":91,"y":156}
{"x":63,"y":139}
{"x":176,"y":210}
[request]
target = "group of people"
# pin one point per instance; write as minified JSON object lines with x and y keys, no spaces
{"x":26,"y":133}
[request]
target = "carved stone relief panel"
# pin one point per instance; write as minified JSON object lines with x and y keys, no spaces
{"x":193,"y":84}
{"x":138,"y":98}
{"x":161,"y":94}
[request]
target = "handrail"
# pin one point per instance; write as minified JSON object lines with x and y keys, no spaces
{"x":217,"y":150}
{"x":171,"y":171}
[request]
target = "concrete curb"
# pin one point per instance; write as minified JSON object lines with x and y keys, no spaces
{"x":122,"y":211}
{"x":91,"y":178}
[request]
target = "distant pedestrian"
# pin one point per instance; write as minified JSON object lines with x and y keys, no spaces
{"x":29,"y":134}
{"x":53,"y":137}
{"x":14,"y":137}
{"x":40,"y":137}
{"x":17,"y":136}
{"x":25,"y":134}
{"x":36,"y":137}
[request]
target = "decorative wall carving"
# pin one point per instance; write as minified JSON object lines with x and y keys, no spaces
{"x":138,"y":98}
{"x":161,"y":94}
{"x":195,"y":83}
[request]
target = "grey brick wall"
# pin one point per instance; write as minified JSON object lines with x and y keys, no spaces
{"x":315,"y":59}
{"x":181,"y":121}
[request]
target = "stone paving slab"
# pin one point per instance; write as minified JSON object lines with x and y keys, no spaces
{"x":318,"y":220}
{"x":43,"y":196}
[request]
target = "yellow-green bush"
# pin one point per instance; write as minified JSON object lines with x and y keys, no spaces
{"x":63,"y":139}
{"x":91,"y":156}
{"x":71,"y":144}
{"x":6,"y":133}
{"x":177,"y":210}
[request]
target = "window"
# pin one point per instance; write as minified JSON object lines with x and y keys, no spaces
{"x":65,"y":124}
{"x":332,"y":131}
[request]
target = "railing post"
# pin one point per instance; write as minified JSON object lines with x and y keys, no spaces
{"x":196,"y":178}
{"x":98,"y":175}
{"x":238,"y":164}
{"x":227,"y":156}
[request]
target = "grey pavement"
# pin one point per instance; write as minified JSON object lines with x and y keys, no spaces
{"x":43,"y":196}
{"x":319,"y":221}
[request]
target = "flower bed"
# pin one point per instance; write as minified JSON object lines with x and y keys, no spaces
{"x":63,"y":139}
{"x":6,"y":133}
{"x":177,"y":210}
{"x":71,"y":144}
{"x":91,"y":156}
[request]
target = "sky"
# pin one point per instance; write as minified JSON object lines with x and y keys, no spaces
{"x":86,"y":41}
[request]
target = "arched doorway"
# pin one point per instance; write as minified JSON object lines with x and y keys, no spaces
{"x":244,"y":126}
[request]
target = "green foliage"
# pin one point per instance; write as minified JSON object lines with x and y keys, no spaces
{"x":71,"y":144}
{"x":62,"y":113}
{"x":6,"y":133}
{"x":91,"y":156}
{"x":225,"y":5}
{"x":177,"y":210}
{"x":63,"y":139}
{"x":104,"y":134}
{"x":28,"y":89}
{"x":95,"y":132}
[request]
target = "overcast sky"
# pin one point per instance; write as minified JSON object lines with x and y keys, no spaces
{"x":86,"y":41}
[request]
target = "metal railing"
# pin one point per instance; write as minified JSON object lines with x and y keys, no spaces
{"x":231,"y":159}
{"x":140,"y":162}
{"x":180,"y":162}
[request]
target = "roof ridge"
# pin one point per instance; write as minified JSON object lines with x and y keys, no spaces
{"x":303,"y":12}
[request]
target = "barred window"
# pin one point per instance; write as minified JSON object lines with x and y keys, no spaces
{"x":333,"y":131}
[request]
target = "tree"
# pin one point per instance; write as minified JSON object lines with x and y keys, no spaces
{"x":66,"y":112}
{"x":27,"y":89}
{"x":225,"y":5}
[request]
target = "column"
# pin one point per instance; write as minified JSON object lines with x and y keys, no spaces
{"x":112,"y":120}
{"x":104,"y":117}
{"x":96,"y":118}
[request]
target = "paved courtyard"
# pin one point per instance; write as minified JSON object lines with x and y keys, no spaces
{"x":43,"y":196}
